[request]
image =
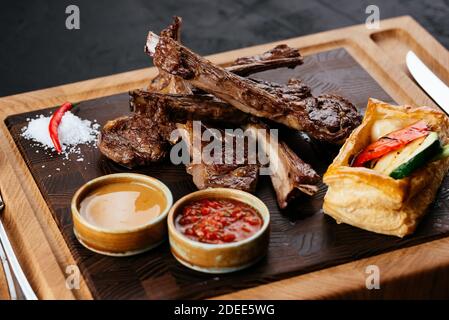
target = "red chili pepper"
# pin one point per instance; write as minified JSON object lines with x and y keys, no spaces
{"x":54,"y":124}
{"x":392,"y":141}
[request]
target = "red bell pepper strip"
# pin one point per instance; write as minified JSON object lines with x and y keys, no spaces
{"x":54,"y":124}
{"x":391,"y":142}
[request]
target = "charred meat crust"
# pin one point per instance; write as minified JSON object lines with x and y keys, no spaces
{"x":280,"y":56}
{"x":173,"y":30}
{"x":186,"y":107}
{"x":242,"y":176}
{"x":202,"y":106}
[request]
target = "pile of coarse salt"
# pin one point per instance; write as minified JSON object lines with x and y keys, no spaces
{"x":72,"y":132}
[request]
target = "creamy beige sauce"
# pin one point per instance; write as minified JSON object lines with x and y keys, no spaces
{"x":122,"y":205}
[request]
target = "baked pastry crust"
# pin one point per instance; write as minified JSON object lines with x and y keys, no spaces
{"x":376,"y":202}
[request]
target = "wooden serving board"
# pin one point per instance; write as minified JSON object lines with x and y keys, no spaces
{"x":354,"y":62}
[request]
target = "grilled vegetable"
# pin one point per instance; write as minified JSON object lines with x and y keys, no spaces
{"x":391,"y":142}
{"x":414,"y":157}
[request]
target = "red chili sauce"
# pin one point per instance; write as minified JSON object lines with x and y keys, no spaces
{"x":218,"y":221}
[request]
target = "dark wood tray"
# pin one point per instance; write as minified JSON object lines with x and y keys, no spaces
{"x":302,"y":238}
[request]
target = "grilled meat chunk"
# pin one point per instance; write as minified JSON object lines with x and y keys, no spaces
{"x":133,"y":141}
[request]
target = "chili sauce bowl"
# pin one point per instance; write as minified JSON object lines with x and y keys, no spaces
{"x":220,"y":257}
{"x":120,"y":240}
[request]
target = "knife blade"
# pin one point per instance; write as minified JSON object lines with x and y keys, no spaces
{"x":428,"y":81}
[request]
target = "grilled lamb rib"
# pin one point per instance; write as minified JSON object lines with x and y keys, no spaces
{"x":131,"y":141}
{"x":292,"y":175}
{"x":123,"y":133}
{"x":207,"y":107}
{"x":201,"y":105}
{"x":213,"y":175}
{"x":327,"y":118}
{"x":289,"y":175}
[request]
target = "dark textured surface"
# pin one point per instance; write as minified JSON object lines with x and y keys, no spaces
{"x":37,"y":51}
{"x":302,"y":238}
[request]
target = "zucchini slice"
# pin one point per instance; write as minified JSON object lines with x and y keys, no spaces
{"x":394,"y":159}
{"x":420,"y":155}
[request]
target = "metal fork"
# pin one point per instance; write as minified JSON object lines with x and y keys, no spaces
{"x":9,"y":262}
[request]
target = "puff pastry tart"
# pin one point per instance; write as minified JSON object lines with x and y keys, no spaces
{"x":389,"y":169}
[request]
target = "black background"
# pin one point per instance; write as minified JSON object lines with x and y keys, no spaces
{"x":37,"y":51}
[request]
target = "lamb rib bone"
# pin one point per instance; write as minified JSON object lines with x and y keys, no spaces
{"x":289,"y":174}
{"x":165,"y":82}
